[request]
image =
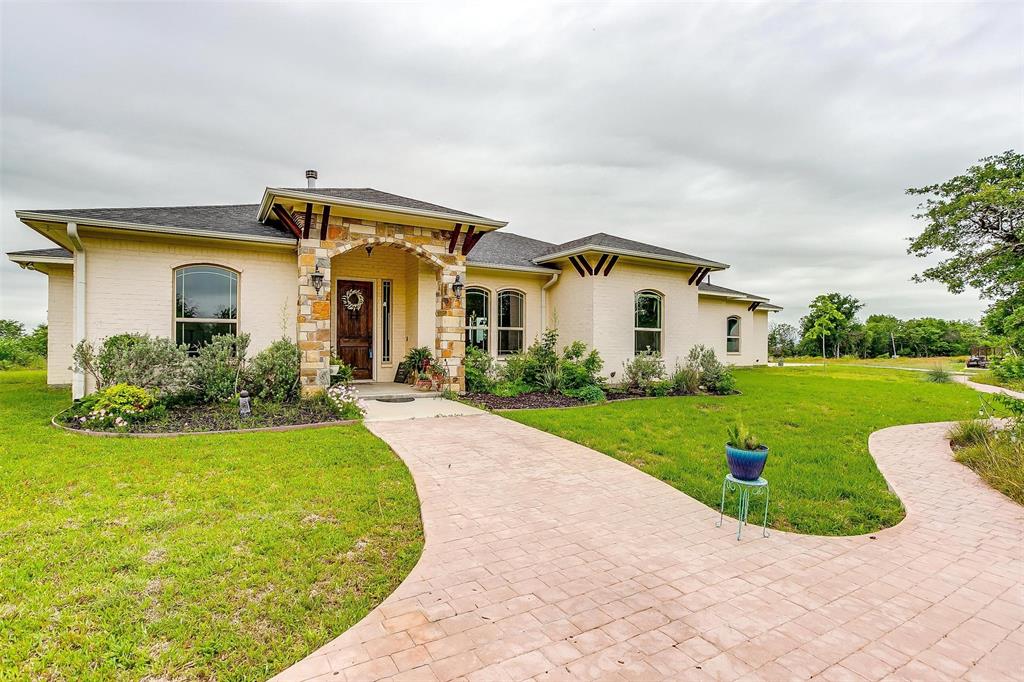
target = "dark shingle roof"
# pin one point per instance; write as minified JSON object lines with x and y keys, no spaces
{"x":610,"y":241}
{"x":375,"y":196}
{"x":507,"y":248}
{"x":238,"y":219}
{"x":715,"y":289}
{"x":42,"y":253}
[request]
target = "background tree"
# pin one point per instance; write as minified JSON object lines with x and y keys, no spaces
{"x":840,"y":328}
{"x":827,"y":320}
{"x":978,"y":220}
{"x":11,"y":329}
{"x":782,"y":339}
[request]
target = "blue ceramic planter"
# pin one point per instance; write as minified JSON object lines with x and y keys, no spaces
{"x":746,"y":465}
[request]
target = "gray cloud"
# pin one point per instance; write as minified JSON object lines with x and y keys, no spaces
{"x":776,"y":137}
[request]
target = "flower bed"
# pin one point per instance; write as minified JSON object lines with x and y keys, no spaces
{"x":149,"y":385}
{"x":219,"y":417}
{"x":523,"y":401}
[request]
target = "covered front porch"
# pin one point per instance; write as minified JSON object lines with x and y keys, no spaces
{"x":371,"y":294}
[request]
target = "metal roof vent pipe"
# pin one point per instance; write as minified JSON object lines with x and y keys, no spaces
{"x":311,"y":179}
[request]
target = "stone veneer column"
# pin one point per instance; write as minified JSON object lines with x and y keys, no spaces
{"x":313,"y":331}
{"x":450,"y":338}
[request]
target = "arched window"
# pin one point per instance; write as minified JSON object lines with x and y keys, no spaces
{"x":478,"y":305}
{"x":732,"y":335}
{"x":647,"y":320}
{"x":510,"y":321}
{"x":205,"y":304}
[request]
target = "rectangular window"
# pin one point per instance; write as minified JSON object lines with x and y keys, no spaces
{"x":510,"y":322}
{"x":385,"y":345}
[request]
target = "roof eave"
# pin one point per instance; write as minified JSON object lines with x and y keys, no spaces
{"x":520,"y":268}
{"x":272,"y":192}
{"x":575,"y":251}
{"x":55,"y":260}
{"x":26,"y":216}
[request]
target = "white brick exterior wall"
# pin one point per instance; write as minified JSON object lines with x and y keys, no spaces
{"x":130,"y":287}
{"x":714,"y":311}
{"x":494,"y":281}
{"x":59,"y":316}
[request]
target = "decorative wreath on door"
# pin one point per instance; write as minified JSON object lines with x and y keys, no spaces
{"x":353,"y":300}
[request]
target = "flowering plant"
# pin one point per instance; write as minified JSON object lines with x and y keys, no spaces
{"x":346,"y":401}
{"x":116,"y":406}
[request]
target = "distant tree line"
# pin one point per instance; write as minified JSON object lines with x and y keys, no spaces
{"x":21,"y":349}
{"x":832,"y":328}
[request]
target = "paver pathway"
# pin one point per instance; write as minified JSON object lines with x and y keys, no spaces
{"x":547,"y":560}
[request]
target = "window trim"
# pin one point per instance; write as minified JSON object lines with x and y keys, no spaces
{"x":660,"y":329}
{"x":237,"y":320}
{"x":487,"y":307}
{"x":497,"y":322}
{"x":738,"y":335}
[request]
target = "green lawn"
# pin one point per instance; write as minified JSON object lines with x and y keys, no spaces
{"x":815,"y":421}
{"x":954,"y":364}
{"x":201,"y":557}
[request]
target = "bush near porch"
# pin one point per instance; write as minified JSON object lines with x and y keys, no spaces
{"x":816,"y":422}
{"x":541,"y":377}
{"x":150,"y":384}
{"x":195,"y":558}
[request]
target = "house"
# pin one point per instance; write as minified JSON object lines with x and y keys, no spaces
{"x":367,"y":275}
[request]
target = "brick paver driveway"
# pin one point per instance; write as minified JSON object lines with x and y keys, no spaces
{"x":548,"y":560}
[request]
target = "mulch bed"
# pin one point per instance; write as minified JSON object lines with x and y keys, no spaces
{"x":201,"y":418}
{"x":525,"y":401}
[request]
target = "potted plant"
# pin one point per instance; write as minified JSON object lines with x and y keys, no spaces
{"x":437,"y":374}
{"x":417,"y":360}
{"x":745,"y":454}
{"x":423,"y":382}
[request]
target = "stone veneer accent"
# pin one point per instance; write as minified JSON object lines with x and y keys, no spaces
{"x":313,"y":324}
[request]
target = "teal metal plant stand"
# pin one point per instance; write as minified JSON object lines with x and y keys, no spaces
{"x":746,"y":488}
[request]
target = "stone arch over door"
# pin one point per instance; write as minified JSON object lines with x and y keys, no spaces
{"x":313,"y":325}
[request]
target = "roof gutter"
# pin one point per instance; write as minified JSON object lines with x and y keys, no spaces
{"x":544,"y":298}
{"x":714,"y":265}
{"x":311,"y":197}
{"x":518,"y":268}
{"x":24,"y":261}
{"x":26,"y":216}
{"x":78,"y":319}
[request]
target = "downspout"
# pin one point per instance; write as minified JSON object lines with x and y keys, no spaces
{"x":544,"y":299}
{"x":78,"y":321}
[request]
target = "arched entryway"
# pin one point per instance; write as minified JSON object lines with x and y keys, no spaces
{"x":385,"y":307}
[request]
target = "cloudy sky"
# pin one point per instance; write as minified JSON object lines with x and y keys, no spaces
{"x":775,"y":137}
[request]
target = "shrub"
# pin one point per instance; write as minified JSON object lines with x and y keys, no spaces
{"x":216,"y":372}
{"x":479,"y":370}
{"x":511,"y":389}
{"x":685,"y":380}
{"x":970,"y":432}
{"x":514,"y":369}
{"x":541,"y":358}
{"x":274,"y":373}
{"x":659,"y":389}
{"x":115,"y":406}
{"x":549,"y":380}
{"x":938,"y":375}
{"x":1009,"y":368}
{"x":136,"y":359}
{"x":589,"y":394}
{"x":712,"y":374}
{"x":577,"y":368}
{"x":644,"y":368}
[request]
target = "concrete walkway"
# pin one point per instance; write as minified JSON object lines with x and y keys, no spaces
{"x":547,"y":560}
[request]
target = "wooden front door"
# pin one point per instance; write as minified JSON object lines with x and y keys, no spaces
{"x":355,"y":326}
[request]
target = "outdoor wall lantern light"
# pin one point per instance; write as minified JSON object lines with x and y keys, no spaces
{"x":457,"y":287}
{"x":317,"y":279}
